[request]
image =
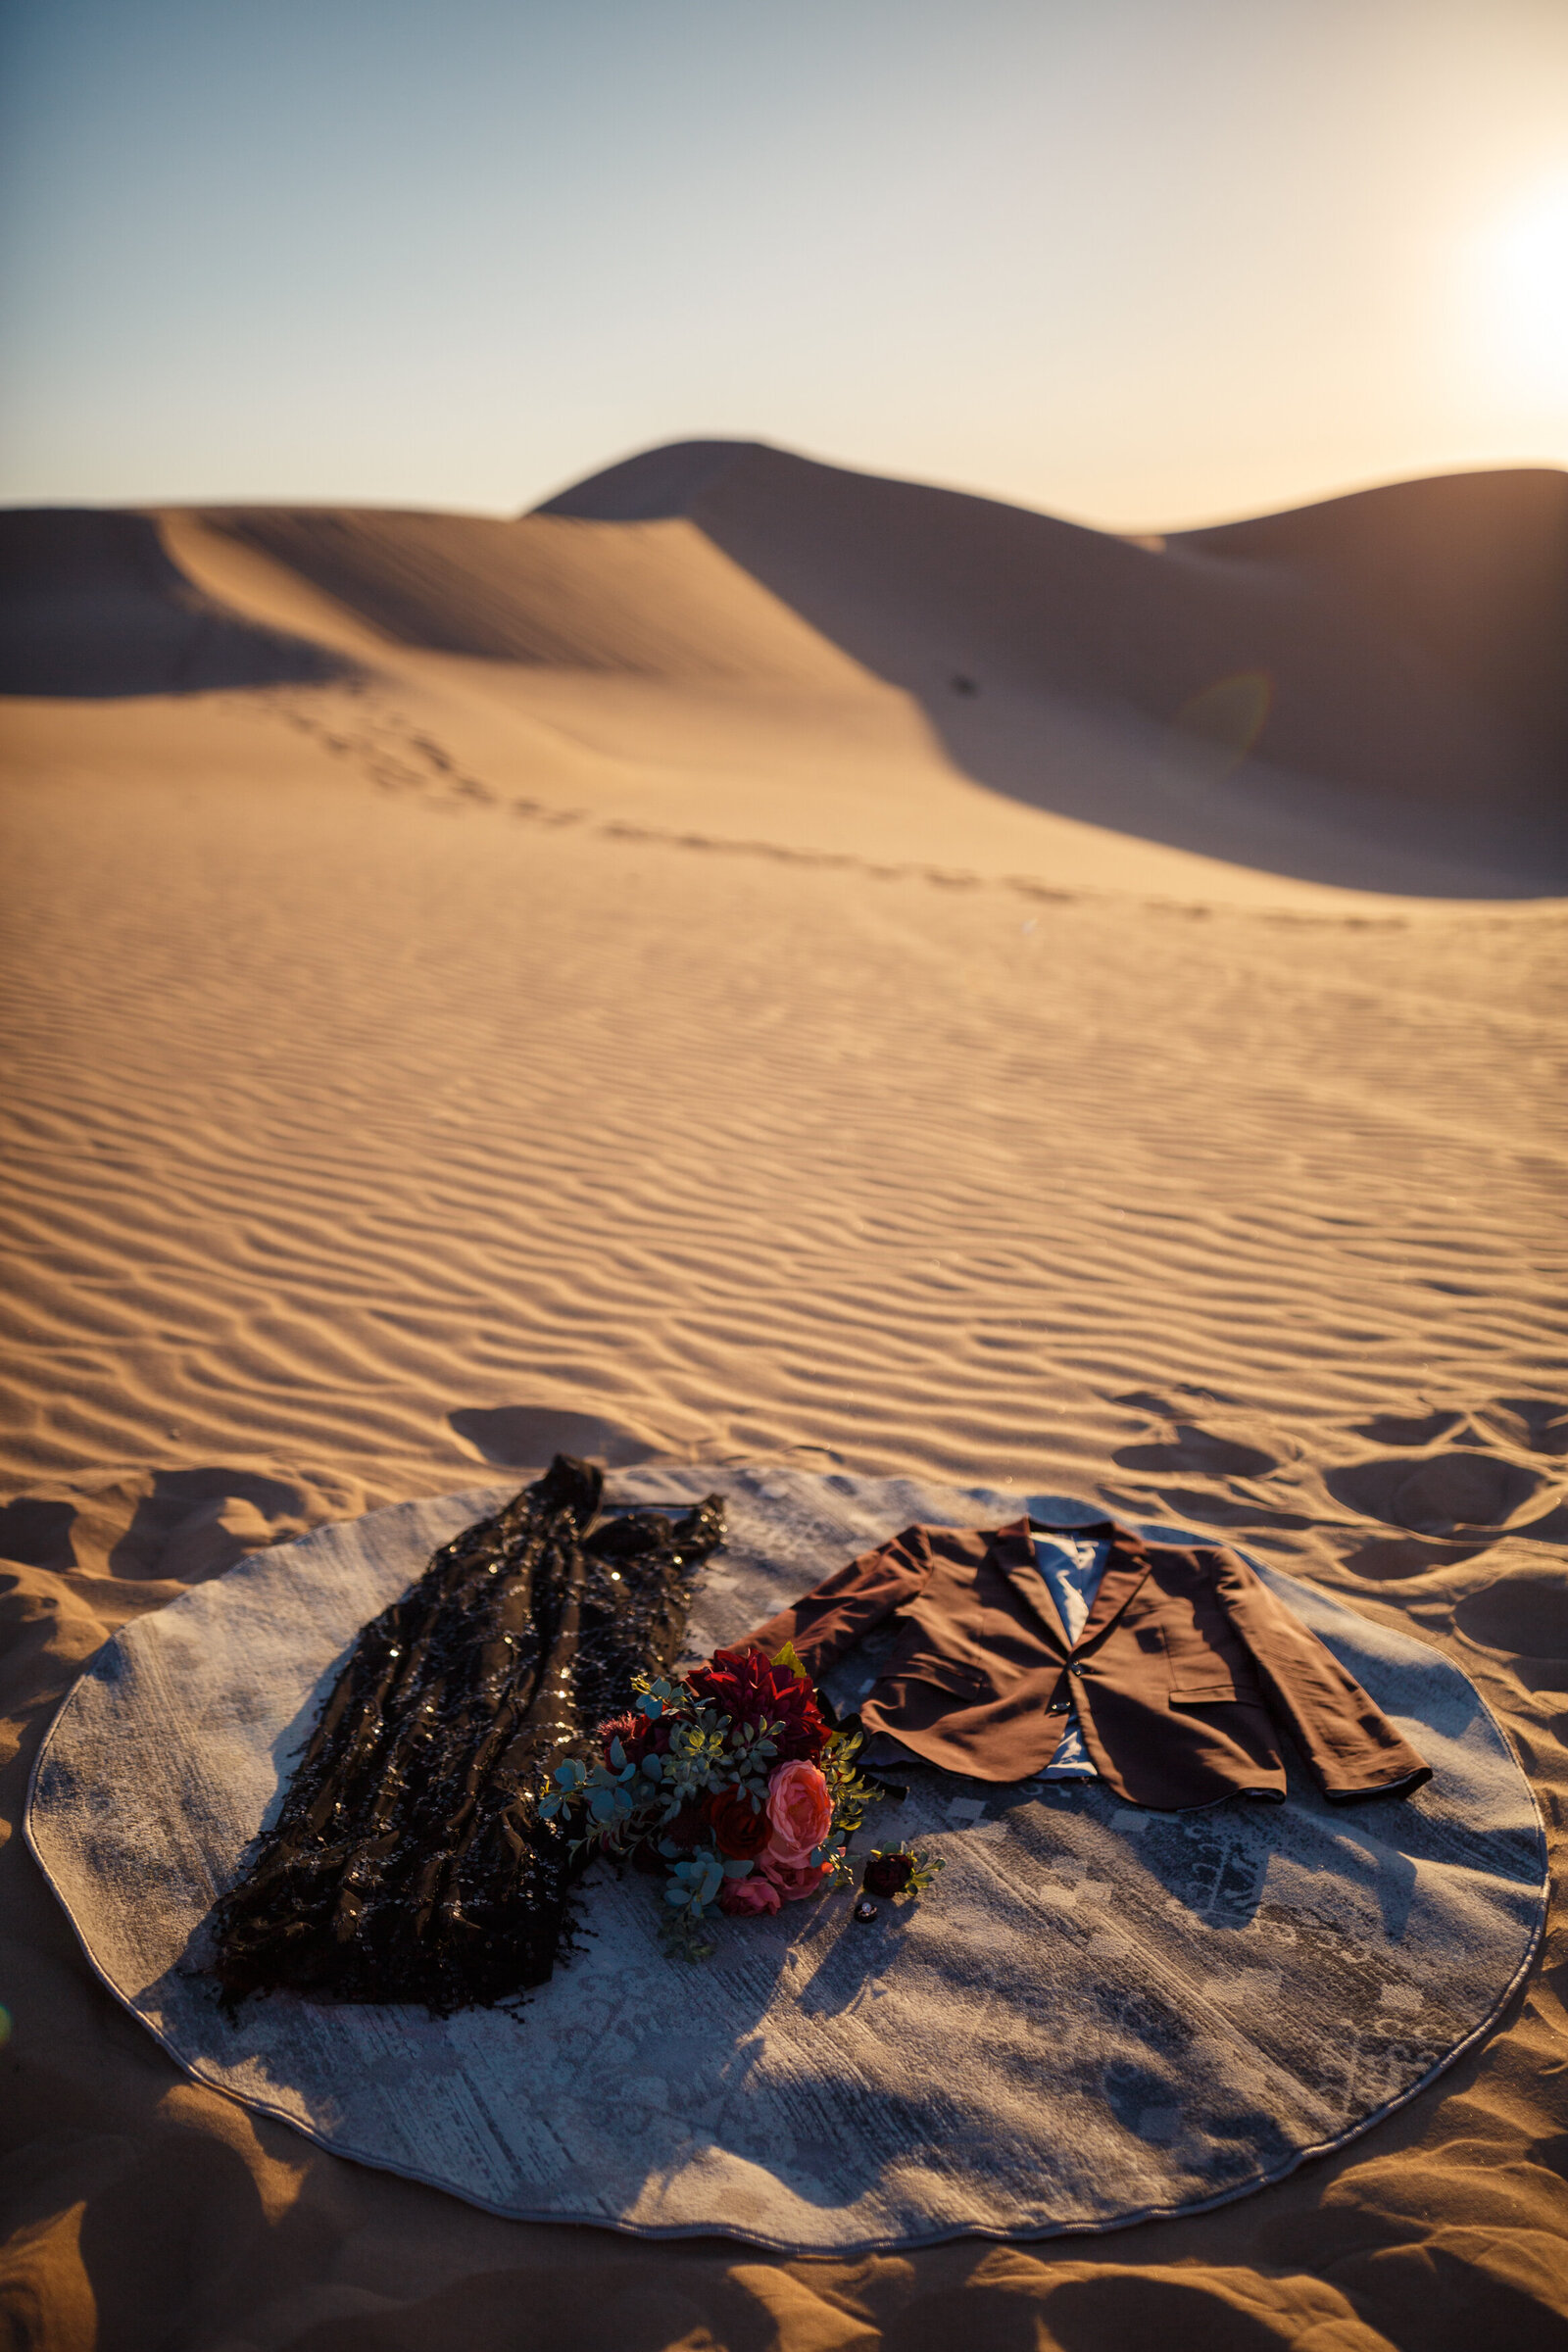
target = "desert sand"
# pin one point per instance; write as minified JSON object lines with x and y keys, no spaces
{"x":757,"y":963}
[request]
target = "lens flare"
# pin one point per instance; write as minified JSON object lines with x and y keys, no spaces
{"x":1221,"y":724}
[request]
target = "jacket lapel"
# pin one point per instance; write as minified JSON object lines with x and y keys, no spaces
{"x":1013,"y":1551}
{"x":1125,"y":1570}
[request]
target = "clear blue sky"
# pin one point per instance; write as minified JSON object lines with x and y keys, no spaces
{"x":1141,"y":261}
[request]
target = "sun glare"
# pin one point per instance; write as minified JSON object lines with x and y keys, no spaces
{"x":1529,"y":270}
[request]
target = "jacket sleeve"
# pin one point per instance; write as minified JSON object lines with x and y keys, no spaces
{"x":833,"y":1616}
{"x":1351,"y":1748}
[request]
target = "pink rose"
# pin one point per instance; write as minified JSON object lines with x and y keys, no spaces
{"x":795,"y":1881}
{"x":742,"y":1897}
{"x":800,"y":1811}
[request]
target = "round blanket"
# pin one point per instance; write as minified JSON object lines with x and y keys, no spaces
{"x":1096,"y":2015}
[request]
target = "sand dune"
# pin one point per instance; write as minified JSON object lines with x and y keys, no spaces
{"x":1473,"y":567}
{"x":1278,"y":696}
{"x":93,"y":603}
{"x":604,"y":998}
{"x":662,"y":603}
{"x":1412,"y":637}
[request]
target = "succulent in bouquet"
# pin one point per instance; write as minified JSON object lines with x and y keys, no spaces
{"x":734,"y":1785}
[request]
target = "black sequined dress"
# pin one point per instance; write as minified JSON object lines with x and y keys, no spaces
{"x":409,"y":1862}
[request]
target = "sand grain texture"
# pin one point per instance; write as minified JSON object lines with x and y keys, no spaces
{"x":474,"y":986}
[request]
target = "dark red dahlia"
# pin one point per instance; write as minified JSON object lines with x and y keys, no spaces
{"x":742,"y":1684}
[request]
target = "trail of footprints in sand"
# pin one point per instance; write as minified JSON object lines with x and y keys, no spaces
{"x":397,"y":758}
{"x":390,"y":753}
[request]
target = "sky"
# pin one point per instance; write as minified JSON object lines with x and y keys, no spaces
{"x":1143,"y":262}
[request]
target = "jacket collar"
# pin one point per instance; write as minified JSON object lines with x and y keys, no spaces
{"x":1126,"y":1566}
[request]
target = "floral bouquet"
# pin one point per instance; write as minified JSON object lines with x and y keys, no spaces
{"x":733,"y":1784}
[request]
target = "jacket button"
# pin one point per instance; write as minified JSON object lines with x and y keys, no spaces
{"x":1073,"y":1666}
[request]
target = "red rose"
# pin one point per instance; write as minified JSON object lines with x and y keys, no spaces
{"x":738,"y":1831}
{"x":889,"y":1874}
{"x":745,"y":1898}
{"x":742,"y":1684}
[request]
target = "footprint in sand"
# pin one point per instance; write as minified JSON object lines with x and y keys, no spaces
{"x":1524,"y":1614}
{"x":1229,"y":1453}
{"x":1230,"y":1443}
{"x":529,"y":1436}
{"x":1194,"y":1448}
{"x":1393,"y":1429}
{"x":191,"y":1525}
{"x":1534,"y":1424}
{"x":1390,"y":1556}
{"x":1444,"y":1492}
{"x":36,"y":1533}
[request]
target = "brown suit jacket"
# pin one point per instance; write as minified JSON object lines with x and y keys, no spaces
{"x":1184,"y":1672}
